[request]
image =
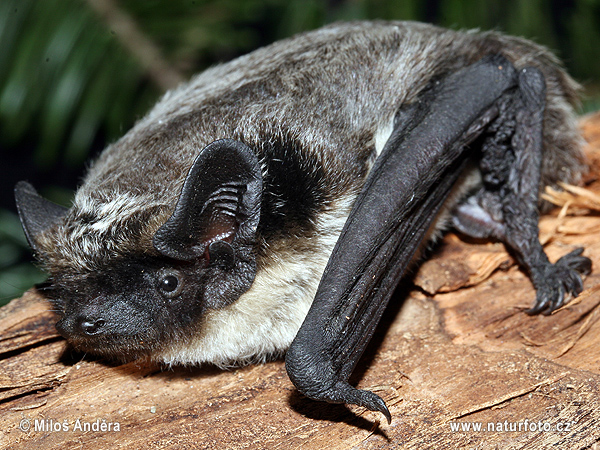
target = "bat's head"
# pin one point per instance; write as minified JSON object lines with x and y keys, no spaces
{"x":128,"y":281}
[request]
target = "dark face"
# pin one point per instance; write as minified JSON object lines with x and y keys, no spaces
{"x":133,"y":308}
{"x":141,"y":298}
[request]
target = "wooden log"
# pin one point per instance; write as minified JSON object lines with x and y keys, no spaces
{"x":455,"y":352}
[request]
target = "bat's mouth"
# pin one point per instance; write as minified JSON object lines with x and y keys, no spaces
{"x":97,"y":338}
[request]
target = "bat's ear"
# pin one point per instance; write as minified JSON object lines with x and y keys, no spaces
{"x":219,"y":206}
{"x":36,"y":213}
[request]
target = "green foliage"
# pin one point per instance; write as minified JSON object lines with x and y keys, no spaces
{"x":60,"y":73}
{"x":16,"y":276}
{"x":71,"y":78}
{"x":584,"y":31}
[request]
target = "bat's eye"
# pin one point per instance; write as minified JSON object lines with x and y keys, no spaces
{"x":170,"y":283}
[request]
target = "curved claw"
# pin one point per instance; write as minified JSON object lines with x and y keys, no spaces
{"x":558,"y":300}
{"x":537,"y":308}
{"x":575,"y":261}
{"x":317,"y":381}
{"x":343,"y":392}
{"x":561,"y":278}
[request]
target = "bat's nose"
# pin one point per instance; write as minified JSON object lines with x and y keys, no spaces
{"x":81,"y":326}
{"x":90,"y":326}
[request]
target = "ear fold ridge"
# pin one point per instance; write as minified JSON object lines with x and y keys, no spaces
{"x":221,"y":196}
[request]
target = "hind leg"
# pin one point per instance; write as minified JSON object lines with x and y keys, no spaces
{"x":506,"y":208}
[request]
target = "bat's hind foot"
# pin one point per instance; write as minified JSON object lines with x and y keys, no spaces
{"x":557,"y":281}
{"x":506,"y":208}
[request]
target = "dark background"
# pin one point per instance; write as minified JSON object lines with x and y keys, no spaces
{"x":76,"y":74}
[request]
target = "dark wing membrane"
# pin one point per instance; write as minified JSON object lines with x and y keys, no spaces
{"x":402,"y":196}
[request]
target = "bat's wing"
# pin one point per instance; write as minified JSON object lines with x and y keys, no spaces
{"x":392,"y":215}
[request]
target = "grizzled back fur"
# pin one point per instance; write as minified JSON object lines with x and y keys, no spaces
{"x":314,"y":101}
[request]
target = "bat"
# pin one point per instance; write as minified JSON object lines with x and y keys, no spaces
{"x":272,"y":204}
